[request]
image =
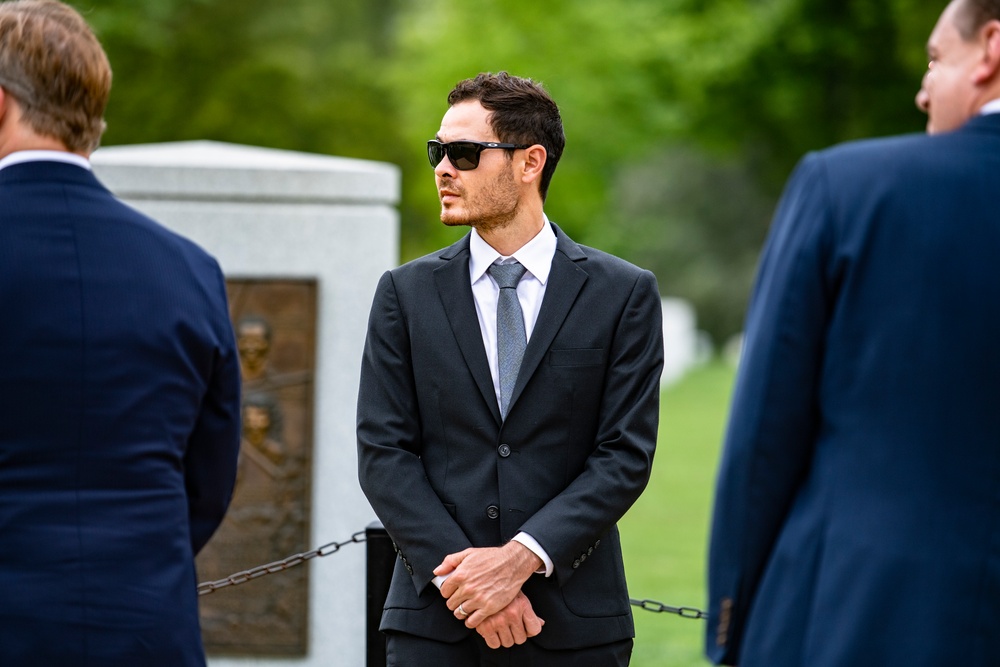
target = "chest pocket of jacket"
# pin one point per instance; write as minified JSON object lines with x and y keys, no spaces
{"x":593,"y":356}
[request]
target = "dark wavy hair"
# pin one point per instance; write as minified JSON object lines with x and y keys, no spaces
{"x":521,"y":112}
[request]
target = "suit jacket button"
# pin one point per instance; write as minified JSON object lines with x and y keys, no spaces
{"x":493,"y":512}
{"x":504,"y":450}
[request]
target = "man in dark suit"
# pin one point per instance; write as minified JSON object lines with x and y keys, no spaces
{"x":857,"y":515}
{"x":505,"y":427}
{"x":119,"y":380}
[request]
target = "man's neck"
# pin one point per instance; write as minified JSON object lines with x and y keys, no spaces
{"x":509,"y":238}
{"x":18,"y":138}
{"x":17,"y":135}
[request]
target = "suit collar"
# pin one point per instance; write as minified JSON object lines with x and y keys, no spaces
{"x":455,"y":249}
{"x":984,"y":123}
{"x":455,"y":291}
{"x":46,"y":171}
{"x":564,"y":244}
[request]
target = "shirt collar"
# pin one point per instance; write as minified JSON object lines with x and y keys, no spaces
{"x":535,"y":255}
{"x":993,"y":106}
{"x":19,"y":157}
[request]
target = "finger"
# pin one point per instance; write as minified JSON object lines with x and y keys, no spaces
{"x":447,"y":590}
{"x":519,"y":632}
{"x":492,"y":640}
{"x":506,"y":637}
{"x":450,"y":562}
{"x":474,"y":619}
{"x":533,"y":625}
{"x":487,"y":606}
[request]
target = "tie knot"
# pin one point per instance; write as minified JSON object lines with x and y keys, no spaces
{"x":507,"y":275}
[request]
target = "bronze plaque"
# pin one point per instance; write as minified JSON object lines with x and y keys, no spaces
{"x":268,"y":520}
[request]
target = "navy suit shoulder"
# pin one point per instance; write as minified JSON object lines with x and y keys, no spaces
{"x":900,"y":162}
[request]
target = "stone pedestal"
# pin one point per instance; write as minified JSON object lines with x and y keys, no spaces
{"x":274,"y":215}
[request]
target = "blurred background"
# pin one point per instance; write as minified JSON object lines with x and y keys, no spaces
{"x":683,"y":117}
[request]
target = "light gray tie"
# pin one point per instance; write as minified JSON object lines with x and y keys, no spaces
{"x":511,"y":337}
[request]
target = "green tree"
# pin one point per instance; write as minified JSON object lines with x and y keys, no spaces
{"x":300,"y":74}
{"x":683,"y":117}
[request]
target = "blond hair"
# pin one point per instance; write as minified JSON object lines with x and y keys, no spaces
{"x":55,"y":69}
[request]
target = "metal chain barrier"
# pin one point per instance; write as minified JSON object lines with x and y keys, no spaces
{"x":660,"y":608}
{"x":278,"y":566}
{"x":357,"y":538}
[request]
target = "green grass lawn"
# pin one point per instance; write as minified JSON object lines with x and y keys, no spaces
{"x":664,"y":535}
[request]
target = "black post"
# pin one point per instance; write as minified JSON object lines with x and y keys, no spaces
{"x":381,"y":560}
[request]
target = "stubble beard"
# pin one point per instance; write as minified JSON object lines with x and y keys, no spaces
{"x":494,"y":207}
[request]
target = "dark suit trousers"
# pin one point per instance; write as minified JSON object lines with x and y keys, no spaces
{"x":403,"y":650}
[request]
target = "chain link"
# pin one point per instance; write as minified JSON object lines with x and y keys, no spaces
{"x":237,"y":578}
{"x":660,"y":608}
{"x":278,"y":566}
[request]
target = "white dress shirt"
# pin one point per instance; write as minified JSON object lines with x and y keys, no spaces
{"x":44,"y":156}
{"x":536,"y":257}
{"x":993,"y":106}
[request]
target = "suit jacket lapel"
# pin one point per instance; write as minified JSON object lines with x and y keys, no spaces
{"x":455,"y":290}
{"x":566,"y":279}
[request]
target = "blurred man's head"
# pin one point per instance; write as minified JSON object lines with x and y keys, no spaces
{"x":964,"y":69}
{"x":54,"y":76}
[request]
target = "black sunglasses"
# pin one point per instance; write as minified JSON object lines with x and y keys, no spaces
{"x":463,"y":155}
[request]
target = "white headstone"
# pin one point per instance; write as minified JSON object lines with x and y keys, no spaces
{"x":680,"y":340}
{"x":267,"y":213}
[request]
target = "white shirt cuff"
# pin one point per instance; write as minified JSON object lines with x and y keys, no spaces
{"x":534,"y":547}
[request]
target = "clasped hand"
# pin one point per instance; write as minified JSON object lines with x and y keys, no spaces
{"x":486,"y":583}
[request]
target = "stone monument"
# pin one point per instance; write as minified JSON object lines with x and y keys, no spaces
{"x":302,"y":240}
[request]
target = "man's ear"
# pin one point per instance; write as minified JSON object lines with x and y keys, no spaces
{"x":534,"y":162}
{"x":988,"y":69}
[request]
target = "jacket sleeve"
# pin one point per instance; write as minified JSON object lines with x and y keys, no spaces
{"x":390,"y":470}
{"x":214,"y":443}
{"x":774,"y":415}
{"x":617,"y":470}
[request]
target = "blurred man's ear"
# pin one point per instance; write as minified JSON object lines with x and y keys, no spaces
{"x":989,"y":67}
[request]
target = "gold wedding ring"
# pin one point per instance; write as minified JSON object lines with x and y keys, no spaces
{"x":462,"y":611}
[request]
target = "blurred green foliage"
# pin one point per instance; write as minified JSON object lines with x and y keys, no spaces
{"x":683,"y":117}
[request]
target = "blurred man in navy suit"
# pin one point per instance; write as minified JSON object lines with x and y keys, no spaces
{"x":119,"y":379}
{"x":857,"y":515}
